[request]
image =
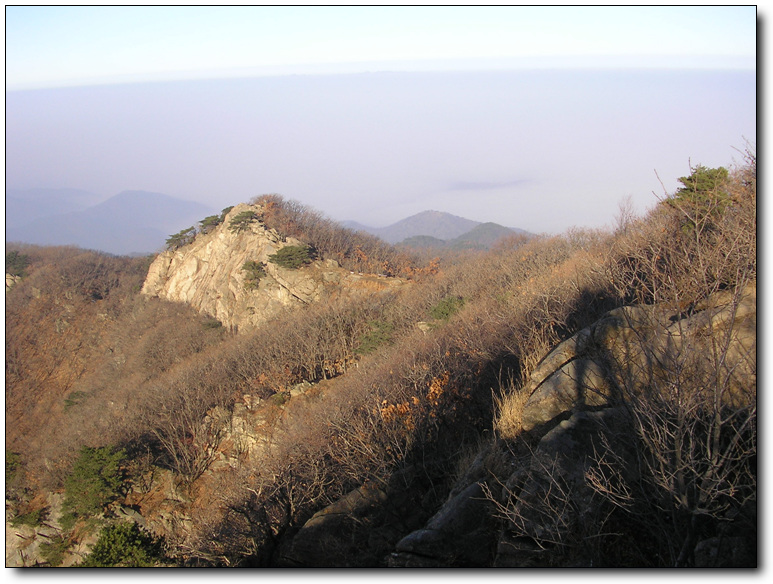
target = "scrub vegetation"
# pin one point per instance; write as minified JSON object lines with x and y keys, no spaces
{"x":129,"y":404}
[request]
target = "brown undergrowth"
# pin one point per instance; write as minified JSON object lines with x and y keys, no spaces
{"x":401,"y":383}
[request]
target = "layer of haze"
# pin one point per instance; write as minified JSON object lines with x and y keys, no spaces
{"x":539,"y":150}
{"x":532,"y":117}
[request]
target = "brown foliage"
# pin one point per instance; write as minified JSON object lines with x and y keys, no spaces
{"x":79,"y":344}
{"x":693,"y":424}
{"x":683,"y":468}
{"x":151,"y":376}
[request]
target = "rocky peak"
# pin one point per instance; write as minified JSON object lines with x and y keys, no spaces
{"x":208,"y":274}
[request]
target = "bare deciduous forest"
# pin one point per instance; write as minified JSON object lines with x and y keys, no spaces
{"x":227,"y":445}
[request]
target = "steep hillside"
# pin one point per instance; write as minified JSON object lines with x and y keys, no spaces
{"x":424,"y":242}
{"x":209,"y":274}
{"x":585,"y":400}
{"x":482,"y":236}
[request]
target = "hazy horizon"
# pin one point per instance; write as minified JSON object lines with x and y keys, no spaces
{"x":541,"y":150}
{"x":540,"y":118}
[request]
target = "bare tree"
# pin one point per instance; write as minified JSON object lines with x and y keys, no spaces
{"x":188,"y":421}
{"x":626,"y":215}
{"x":689,"y":386}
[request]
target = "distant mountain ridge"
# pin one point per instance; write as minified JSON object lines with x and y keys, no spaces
{"x":23,"y":206}
{"x":139,"y":222}
{"x":437,"y":229}
{"x":483,"y":236}
{"x":131,"y":222}
{"x":435,"y":224}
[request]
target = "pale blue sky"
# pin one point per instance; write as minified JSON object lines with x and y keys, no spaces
{"x":59,"y":46}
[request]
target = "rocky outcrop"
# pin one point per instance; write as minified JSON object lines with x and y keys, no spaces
{"x":10,"y":280}
{"x":25,"y":545}
{"x":460,"y":534}
{"x":362,"y":528}
{"x":554,"y":498}
{"x":574,"y":412}
{"x":328,"y":538}
{"x":208,"y":274}
{"x":629,"y":346}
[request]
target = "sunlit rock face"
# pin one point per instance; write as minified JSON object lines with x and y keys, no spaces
{"x":630,"y":347}
{"x":10,"y":280}
{"x":208,"y":274}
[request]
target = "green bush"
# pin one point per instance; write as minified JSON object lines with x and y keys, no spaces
{"x":255,"y":271}
{"x":225,"y":212}
{"x":12,"y":465}
{"x":242,"y":221}
{"x":95,"y":481}
{"x":292,"y":256}
{"x":124,"y":545}
{"x":447,"y":307}
{"x":31,"y":518}
{"x":209,"y":223}
{"x":280,"y":398}
{"x":181,"y":238}
{"x":380,"y":334}
{"x":703,"y":197}
{"x":701,"y":183}
{"x":74,"y":399}
{"x":53,"y":551}
{"x":16,"y":263}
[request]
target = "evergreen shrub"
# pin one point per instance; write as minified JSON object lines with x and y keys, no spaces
{"x":95,"y":481}
{"x":291,"y":256}
{"x":124,"y":545}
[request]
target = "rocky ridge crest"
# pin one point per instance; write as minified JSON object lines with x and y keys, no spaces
{"x":208,"y":274}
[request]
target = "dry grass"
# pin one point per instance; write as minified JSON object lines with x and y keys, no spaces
{"x":509,"y":405}
{"x":408,"y":402}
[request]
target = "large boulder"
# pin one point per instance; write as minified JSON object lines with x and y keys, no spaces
{"x":327,"y":539}
{"x":630,"y":347}
{"x":460,"y":534}
{"x":554,"y":501}
{"x":10,"y":280}
{"x":576,"y":413}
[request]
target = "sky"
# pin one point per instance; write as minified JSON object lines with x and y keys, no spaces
{"x":56,"y":45}
{"x":538,"y":118}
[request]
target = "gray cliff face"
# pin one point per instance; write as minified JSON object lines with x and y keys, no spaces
{"x":207,"y":274}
